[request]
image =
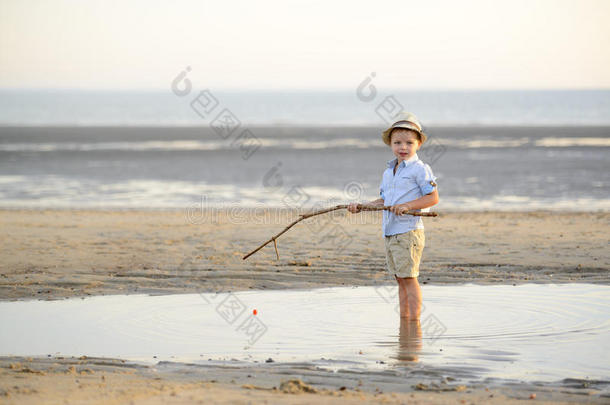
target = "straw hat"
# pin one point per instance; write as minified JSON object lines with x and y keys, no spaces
{"x":404,"y":120}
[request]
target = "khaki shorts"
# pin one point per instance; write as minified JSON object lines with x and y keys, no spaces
{"x":403,"y":253}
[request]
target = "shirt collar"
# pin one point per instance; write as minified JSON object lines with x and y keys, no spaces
{"x":392,"y":163}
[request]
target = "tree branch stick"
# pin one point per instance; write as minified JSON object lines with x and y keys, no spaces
{"x":363,"y":207}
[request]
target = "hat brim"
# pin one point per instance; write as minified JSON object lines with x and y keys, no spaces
{"x":386,"y":134}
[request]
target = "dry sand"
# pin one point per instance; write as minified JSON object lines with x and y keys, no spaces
{"x":52,"y":254}
{"x":63,"y":253}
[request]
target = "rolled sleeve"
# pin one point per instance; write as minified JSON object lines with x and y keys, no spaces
{"x":426,"y":180}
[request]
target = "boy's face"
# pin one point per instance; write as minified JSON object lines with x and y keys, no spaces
{"x":404,"y":144}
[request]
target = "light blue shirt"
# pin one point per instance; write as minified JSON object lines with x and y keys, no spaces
{"x":413,"y":179}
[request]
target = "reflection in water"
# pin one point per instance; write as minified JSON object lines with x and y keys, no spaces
{"x":409,"y":340}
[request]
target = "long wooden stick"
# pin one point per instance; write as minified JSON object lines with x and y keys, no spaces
{"x":363,"y":207}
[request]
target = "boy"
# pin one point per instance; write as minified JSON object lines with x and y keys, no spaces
{"x":407,"y":184}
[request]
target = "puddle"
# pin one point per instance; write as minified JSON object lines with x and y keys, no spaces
{"x":531,"y":332}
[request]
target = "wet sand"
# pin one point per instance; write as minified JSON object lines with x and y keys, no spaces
{"x":53,"y":254}
{"x":39,"y":380}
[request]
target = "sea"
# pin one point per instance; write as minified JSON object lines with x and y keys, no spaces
{"x":490,"y":150}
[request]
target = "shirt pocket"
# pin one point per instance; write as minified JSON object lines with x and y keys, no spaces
{"x":405,"y":183}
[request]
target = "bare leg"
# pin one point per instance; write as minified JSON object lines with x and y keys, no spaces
{"x":403,"y":297}
{"x":413,"y":297}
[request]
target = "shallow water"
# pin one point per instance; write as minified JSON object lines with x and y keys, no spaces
{"x":477,"y":168}
{"x":531,"y":332}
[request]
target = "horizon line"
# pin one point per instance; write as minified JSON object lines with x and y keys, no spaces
{"x":303,"y":90}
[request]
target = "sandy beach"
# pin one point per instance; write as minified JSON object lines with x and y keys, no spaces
{"x":52,"y":254}
{"x":153,"y":162}
{"x":56,"y":254}
{"x":102,"y":380}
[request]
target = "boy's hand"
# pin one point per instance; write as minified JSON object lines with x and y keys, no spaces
{"x":353,"y":208}
{"x":399,"y":209}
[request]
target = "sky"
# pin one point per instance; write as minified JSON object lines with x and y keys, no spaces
{"x":287,"y":44}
